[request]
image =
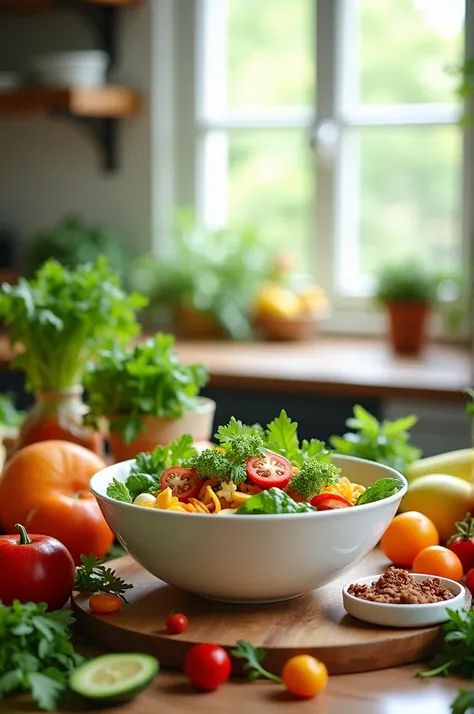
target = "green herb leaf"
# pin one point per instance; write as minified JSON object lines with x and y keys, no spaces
{"x":281,"y":436}
{"x":271,"y":501}
{"x":456,"y":654}
{"x":464,"y":702}
{"x":45,"y":690}
{"x":93,"y":576}
{"x":383,"y":488}
{"x":141,"y":483}
{"x":254,"y":658}
{"x":119,"y":491}
{"x":384,"y":442}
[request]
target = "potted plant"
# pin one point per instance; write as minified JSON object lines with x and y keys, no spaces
{"x":408,"y":293}
{"x":147,"y":396}
{"x":57,"y":322}
{"x":209,"y":285}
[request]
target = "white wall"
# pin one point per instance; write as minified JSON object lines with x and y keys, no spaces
{"x":49,"y":167}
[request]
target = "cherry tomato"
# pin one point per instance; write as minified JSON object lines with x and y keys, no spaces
{"x":462,"y":542}
{"x":269,"y":470}
{"x":330,"y":501}
{"x":176,"y":623}
{"x":207,"y":666}
{"x":183,"y":482}
{"x":407,"y":534}
{"x":470,"y":580}
{"x":439,"y":561}
{"x":103,"y":603}
{"x":304,"y":676}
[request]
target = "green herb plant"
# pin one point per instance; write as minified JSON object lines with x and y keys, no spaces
{"x":10,"y":416}
{"x":253,"y":664}
{"x":147,"y":380}
{"x":385,"y":442}
{"x":464,"y":702}
{"x":456,"y":656}
{"x":36,"y":654}
{"x":406,"y":283}
{"x":94,"y":576}
{"x":61,"y":318}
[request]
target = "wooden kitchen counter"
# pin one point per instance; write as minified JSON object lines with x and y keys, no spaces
{"x":329,"y":365}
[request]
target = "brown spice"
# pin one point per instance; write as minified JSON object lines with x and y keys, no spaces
{"x":397,"y":587}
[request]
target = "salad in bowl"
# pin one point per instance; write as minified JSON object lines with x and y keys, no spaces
{"x":299,"y":514}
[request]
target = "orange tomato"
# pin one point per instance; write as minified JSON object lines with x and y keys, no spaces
{"x":406,"y":536}
{"x":439,"y":561}
{"x":45,"y":486}
{"x":103,"y":603}
{"x":304,"y":676}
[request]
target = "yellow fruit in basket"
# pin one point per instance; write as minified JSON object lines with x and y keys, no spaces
{"x":275,"y":301}
{"x":442,"y":498}
{"x":312,"y":299}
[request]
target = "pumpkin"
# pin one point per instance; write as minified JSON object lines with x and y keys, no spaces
{"x":45,"y":486}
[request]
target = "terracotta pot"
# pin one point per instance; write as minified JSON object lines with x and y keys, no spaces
{"x":59,"y":415}
{"x":196,"y":325}
{"x":408,"y":323}
{"x":159,"y":431}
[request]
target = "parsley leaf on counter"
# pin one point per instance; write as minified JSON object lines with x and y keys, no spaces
{"x":274,"y":500}
{"x":254,"y":658}
{"x":35,"y":652}
{"x":456,"y":655}
{"x":383,"y":488}
{"x":281,"y":436}
{"x":464,"y":702}
{"x":95,"y":577}
{"x":385,"y":442}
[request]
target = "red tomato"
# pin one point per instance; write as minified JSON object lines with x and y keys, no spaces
{"x":176,"y":623}
{"x":183,"y":482}
{"x":462,"y":542}
{"x":35,"y":568}
{"x":207,"y":666}
{"x":269,"y":471}
{"x":329,"y":502}
{"x":470,"y":581}
{"x":103,"y":603}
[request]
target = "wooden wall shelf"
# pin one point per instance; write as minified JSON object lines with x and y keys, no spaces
{"x":105,"y":102}
{"x":16,"y":6}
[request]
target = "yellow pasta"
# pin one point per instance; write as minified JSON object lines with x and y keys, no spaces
{"x":212,"y":496}
{"x":346,"y":488}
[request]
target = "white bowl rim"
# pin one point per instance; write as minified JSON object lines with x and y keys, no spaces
{"x":368,"y":579}
{"x":267,"y":517}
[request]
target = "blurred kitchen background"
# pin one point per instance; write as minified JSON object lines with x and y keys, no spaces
{"x":277,"y":173}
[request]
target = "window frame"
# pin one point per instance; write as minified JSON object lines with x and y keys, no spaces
{"x":194,"y":126}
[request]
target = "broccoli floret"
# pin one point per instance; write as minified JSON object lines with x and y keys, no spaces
{"x":313,"y":476}
{"x":243,"y":447}
{"x":210,"y":464}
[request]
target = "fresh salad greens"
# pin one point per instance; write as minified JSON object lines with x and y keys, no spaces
{"x":272,"y":501}
{"x":147,"y":380}
{"x":36,"y":654}
{"x":253,"y":470}
{"x":456,"y":656}
{"x":94,"y":576}
{"x":385,"y":442}
{"x":464,"y":702}
{"x":62,"y":318}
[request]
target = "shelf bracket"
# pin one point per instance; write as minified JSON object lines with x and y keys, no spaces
{"x":104,"y":132}
{"x":103,"y":19}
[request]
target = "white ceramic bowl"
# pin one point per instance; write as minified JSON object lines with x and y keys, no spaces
{"x":250,"y":558}
{"x":401,"y":616}
{"x":85,"y":69}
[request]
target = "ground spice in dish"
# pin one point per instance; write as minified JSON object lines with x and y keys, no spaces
{"x":397,"y":587}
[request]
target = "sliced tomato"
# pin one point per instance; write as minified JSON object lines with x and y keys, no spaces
{"x":269,"y":470}
{"x":330,"y":501}
{"x":183,"y":482}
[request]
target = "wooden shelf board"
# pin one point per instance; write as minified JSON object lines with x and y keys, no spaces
{"x":16,"y":6}
{"x":110,"y":101}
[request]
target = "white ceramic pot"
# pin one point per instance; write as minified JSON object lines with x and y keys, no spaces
{"x":250,"y":558}
{"x":85,"y":69}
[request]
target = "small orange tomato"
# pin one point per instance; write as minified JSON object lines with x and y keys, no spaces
{"x":438,"y":561}
{"x":103,"y":603}
{"x":406,"y":536}
{"x":304,"y":676}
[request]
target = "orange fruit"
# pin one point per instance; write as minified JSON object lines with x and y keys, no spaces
{"x":407,"y":535}
{"x":439,"y":561}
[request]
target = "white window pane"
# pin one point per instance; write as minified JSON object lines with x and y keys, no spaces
{"x":399,"y":197}
{"x":271,"y":186}
{"x":401,"y":51}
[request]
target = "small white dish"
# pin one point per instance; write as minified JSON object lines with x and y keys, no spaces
{"x":402,"y":616}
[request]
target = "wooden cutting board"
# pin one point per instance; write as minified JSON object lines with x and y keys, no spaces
{"x":315,"y":623}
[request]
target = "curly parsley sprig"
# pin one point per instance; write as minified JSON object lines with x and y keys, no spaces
{"x":254,"y":657}
{"x":95,"y":577}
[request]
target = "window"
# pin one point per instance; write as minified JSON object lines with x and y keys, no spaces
{"x":333,"y":126}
